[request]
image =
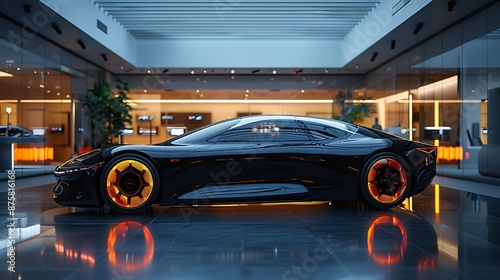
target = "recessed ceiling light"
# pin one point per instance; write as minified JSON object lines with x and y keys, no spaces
{"x":232,"y":71}
{"x":192,"y":72}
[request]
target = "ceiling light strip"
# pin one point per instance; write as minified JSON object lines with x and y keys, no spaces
{"x":233,"y":101}
{"x":44,"y":101}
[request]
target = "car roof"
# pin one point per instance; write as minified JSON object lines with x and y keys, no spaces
{"x":350,"y":128}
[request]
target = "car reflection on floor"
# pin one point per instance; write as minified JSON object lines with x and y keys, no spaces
{"x":285,"y":241}
{"x":261,"y":242}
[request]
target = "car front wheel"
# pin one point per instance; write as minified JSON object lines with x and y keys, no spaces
{"x":385,"y":181}
{"x":129,"y":184}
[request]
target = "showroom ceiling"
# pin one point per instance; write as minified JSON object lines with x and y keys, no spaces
{"x":237,"y":19}
{"x":235,"y":37}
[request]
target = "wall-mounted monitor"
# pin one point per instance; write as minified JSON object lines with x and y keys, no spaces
{"x":127,"y":131}
{"x":144,"y":118}
{"x":39,"y":131}
{"x":147,"y":130}
{"x":197,"y":118}
{"x":166,"y":118}
{"x":442,"y":133}
{"x":58,"y":128}
{"x":176,"y":130}
{"x":191,"y":120}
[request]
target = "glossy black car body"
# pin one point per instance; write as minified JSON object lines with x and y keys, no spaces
{"x":267,"y":158}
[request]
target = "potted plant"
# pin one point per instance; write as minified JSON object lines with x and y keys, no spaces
{"x":108,"y":112}
{"x":353,"y":112}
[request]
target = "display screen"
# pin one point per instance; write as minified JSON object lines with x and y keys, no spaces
{"x":143,"y":118}
{"x":147,"y":131}
{"x":127,"y":131}
{"x":39,"y":131}
{"x":195,"y":117}
{"x":165,"y":117}
{"x":58,"y":128}
{"x":177,"y":130}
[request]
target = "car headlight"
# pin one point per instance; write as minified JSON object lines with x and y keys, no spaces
{"x":77,"y":169}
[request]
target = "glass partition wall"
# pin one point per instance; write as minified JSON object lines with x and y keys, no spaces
{"x":39,"y":83}
{"x":440,"y":92}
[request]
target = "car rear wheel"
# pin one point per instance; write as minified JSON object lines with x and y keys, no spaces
{"x":385,"y":181}
{"x":129,"y":184}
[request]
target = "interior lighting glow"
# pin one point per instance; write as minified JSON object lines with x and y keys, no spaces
{"x":226,"y":101}
{"x":436,"y":199}
{"x":44,"y":101}
{"x":5,"y":75}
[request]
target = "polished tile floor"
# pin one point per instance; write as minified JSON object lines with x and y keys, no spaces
{"x":456,"y":236}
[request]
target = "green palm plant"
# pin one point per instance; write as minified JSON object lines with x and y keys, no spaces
{"x":108,"y":112}
{"x":353,"y":112}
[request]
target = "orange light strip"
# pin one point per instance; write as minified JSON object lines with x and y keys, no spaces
{"x":436,"y":119}
{"x":33,"y":154}
{"x":436,"y":199}
{"x":450,"y":153}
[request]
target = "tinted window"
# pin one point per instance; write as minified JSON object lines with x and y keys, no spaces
{"x":320,"y":131}
{"x":340,"y":125}
{"x":203,"y":133}
{"x":265,"y":131}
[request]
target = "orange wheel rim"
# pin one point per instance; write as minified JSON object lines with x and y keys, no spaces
{"x":129,"y":184}
{"x":387,"y":180}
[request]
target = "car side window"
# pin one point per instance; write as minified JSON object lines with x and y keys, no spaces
{"x":322,"y":132}
{"x":13,"y":132}
{"x":265,"y":131}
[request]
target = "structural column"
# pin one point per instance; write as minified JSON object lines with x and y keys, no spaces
{"x":488,"y":156}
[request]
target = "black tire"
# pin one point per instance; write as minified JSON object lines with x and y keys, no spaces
{"x":129,"y":184}
{"x":385,"y":181}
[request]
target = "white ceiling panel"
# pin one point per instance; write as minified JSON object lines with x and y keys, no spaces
{"x":209,"y":19}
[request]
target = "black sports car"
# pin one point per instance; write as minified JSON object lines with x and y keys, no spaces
{"x":265,"y":158}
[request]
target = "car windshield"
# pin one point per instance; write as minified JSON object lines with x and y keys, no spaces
{"x":349,"y":127}
{"x":203,"y":133}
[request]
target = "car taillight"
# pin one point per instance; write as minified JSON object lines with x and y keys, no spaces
{"x":427,"y":150}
